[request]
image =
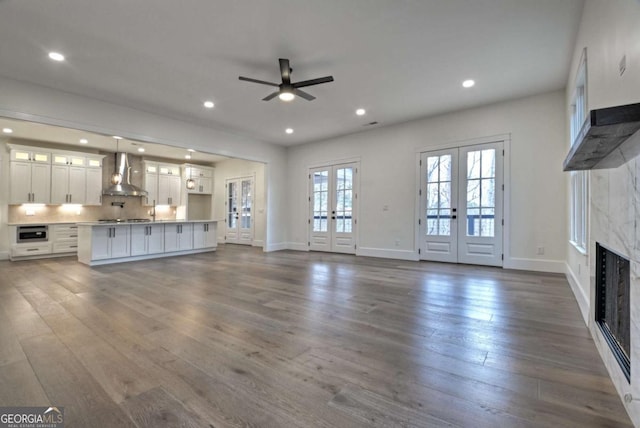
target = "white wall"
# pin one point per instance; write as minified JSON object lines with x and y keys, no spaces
{"x":387,"y":177}
{"x":609,"y":30}
{"x":39,"y":104}
{"x":236,"y":168}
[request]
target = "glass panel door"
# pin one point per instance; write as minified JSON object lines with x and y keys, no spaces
{"x":332,"y":208}
{"x":461,"y":207}
{"x":438,"y":229}
{"x":239,"y":204}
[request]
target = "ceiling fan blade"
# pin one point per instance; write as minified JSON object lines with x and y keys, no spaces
{"x":285,"y":71}
{"x":271,"y":96}
{"x":262,"y":82}
{"x":303,"y":94}
{"x":313,"y":82}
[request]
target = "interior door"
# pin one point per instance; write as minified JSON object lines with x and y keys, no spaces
{"x":438,"y":227}
{"x":461,"y":198}
{"x":332,"y":208}
{"x":239,"y":204}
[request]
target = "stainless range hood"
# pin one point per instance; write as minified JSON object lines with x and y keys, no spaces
{"x":125,"y":188}
{"x":608,"y":139}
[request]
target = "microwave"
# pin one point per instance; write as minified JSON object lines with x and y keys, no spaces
{"x":35,"y":233}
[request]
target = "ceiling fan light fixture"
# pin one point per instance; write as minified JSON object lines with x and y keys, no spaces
{"x":286,"y":96}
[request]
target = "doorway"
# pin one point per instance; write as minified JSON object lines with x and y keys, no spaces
{"x":461,"y":205}
{"x":239,"y":205}
{"x":333,"y":208}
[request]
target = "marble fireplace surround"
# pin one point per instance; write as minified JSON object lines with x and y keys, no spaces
{"x":615,"y":206}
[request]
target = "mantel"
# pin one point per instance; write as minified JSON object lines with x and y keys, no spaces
{"x":607,"y":139}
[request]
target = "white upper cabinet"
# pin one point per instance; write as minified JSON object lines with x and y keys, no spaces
{"x":202,"y":176}
{"x":29,"y":176}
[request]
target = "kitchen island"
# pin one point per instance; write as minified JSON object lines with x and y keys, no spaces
{"x":102,"y":243}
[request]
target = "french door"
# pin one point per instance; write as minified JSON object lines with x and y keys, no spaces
{"x":239,"y":206}
{"x":461,"y":197}
{"x":333,"y":208}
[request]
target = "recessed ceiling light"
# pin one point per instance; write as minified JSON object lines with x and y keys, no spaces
{"x":468,"y":83}
{"x":141,"y":149}
{"x":117,"y":138}
{"x":7,"y":130}
{"x":56,"y":56}
{"x":209,"y":104}
{"x":190,"y":150}
{"x":289,"y":131}
{"x":187,"y":156}
{"x":83,"y":141}
{"x":361,"y":112}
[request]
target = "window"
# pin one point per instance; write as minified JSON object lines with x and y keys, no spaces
{"x":579,"y":179}
{"x":579,"y":201}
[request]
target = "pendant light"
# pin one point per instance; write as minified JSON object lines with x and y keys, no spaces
{"x":116,"y":177}
{"x":191,"y":183}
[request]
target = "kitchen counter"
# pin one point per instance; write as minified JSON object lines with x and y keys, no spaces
{"x":102,"y":243}
{"x":114,"y":223}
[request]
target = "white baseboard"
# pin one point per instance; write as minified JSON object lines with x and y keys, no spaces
{"x":387,"y":254}
{"x":551,"y":266}
{"x":257,"y":243}
{"x":578,"y":292}
{"x":279,"y":246}
{"x":4,"y":255}
{"x":298,"y":246}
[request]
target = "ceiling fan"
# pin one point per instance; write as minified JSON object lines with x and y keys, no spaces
{"x":287,"y":91}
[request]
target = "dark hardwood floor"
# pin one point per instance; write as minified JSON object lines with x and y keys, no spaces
{"x":294,"y":339}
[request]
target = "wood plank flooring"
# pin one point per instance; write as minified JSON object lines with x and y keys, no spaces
{"x":240,"y":338}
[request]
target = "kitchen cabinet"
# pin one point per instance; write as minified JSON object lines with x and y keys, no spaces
{"x":150,"y":183}
{"x":168,"y":190}
{"x":178,"y":237}
{"x":168,"y":184}
{"x":68,"y":184}
{"x":147,"y":239}
{"x":204,"y":235}
{"x":29,"y":182}
{"x":93,"y":195}
{"x":110,"y":242}
{"x":203,"y":178}
{"x":64,"y":238}
{"x":68,"y":159}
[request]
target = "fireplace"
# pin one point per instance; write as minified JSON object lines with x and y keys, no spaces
{"x":613,"y":311}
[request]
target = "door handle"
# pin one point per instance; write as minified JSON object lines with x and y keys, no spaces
{"x":453,"y":217}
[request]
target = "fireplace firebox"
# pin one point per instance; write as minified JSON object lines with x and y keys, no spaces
{"x":613,"y":310}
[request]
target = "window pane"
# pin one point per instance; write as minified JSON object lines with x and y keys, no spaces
{"x":473,"y":164}
{"x":473,"y":222}
{"x":433,"y":200}
{"x":432,"y":226}
{"x":445,"y":195}
{"x":489,"y":163}
{"x":444,"y":228}
{"x":488,"y":193}
{"x":487,"y":227}
{"x":445,"y":168}
{"x":473,"y":193}
{"x":432,"y":168}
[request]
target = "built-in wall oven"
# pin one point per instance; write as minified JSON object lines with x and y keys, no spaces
{"x":32,"y":233}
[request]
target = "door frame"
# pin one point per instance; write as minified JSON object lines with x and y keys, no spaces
{"x":505,"y":139}
{"x":330,"y":164}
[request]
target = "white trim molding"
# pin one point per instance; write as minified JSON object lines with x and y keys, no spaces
{"x":578,"y":292}
{"x":550,"y":266}
{"x":387,"y":254}
{"x":4,"y":255}
{"x":278,"y":246}
{"x":298,"y":246}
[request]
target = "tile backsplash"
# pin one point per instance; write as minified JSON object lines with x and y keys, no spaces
{"x":132,"y":208}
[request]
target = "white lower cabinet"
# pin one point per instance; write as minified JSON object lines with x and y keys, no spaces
{"x":204,"y":235}
{"x":147,"y":239}
{"x":110,"y":242}
{"x":64,"y":238}
{"x":100,"y":244}
{"x":178,"y":237}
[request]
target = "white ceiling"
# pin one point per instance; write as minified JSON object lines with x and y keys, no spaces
{"x":398,"y":59}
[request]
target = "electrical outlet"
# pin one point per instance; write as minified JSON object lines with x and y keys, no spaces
{"x":540,"y":251}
